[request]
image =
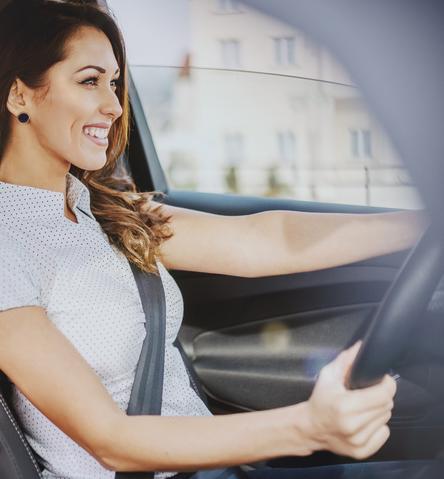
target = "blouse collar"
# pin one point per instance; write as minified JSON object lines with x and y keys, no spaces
{"x":44,"y":204}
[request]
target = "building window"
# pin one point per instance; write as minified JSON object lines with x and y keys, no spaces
{"x":361,"y":143}
{"x":230,"y":50}
{"x":229,"y":6}
{"x":234,"y":149}
{"x":286,"y":141}
{"x":284,"y":50}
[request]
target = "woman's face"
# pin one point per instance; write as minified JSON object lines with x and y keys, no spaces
{"x":72,"y":119}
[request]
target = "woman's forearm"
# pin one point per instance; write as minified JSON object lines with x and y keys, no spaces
{"x":178,"y":443}
{"x":323,"y":240}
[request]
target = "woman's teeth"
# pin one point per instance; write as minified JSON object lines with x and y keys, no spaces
{"x":101,"y":133}
{"x":99,"y":136}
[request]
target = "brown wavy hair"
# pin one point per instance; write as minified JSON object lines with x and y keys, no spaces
{"x":33,"y":35}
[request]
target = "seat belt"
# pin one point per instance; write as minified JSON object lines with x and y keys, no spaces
{"x":146,"y":393}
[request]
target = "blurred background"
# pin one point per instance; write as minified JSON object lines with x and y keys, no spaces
{"x":238,"y":102}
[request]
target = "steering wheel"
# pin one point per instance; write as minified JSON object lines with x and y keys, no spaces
{"x":400,"y":311}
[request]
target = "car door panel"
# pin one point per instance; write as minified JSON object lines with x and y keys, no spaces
{"x":225,"y":319}
{"x":273,"y":362}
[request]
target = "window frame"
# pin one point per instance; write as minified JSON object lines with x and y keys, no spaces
{"x":361,"y":144}
{"x":226,"y":50}
{"x":281,"y":50}
{"x":148,"y":174}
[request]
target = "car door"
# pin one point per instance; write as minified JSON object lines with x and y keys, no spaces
{"x":204,"y":136}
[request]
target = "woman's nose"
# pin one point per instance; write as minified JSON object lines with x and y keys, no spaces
{"x":111,"y":105}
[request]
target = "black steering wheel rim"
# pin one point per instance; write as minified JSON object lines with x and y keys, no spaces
{"x":397,"y":316}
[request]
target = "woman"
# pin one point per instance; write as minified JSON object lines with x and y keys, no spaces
{"x":71,"y":321}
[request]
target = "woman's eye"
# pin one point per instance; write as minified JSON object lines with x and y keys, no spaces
{"x":90,"y":81}
{"x":93,"y":81}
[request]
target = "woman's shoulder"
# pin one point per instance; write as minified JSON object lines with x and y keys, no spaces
{"x":18,"y":283}
{"x":12,"y":251}
{"x":7,"y":241}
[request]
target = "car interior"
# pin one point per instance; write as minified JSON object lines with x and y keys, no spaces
{"x":259,"y":343}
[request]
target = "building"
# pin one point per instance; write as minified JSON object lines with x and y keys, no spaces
{"x":246,"y":112}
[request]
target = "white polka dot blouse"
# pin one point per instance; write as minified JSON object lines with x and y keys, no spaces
{"x":89,"y":292}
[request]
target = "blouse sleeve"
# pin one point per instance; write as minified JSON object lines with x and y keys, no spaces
{"x":17,"y":285}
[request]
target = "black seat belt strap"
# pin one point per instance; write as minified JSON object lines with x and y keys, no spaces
{"x":146,"y":393}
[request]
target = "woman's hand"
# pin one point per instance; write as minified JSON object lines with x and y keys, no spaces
{"x":349,"y":422}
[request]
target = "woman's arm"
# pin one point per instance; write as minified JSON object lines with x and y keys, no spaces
{"x":50,"y":372}
{"x":351,"y":423}
{"x":280,"y":242}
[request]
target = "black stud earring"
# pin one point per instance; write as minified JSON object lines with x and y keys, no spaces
{"x":23,"y":118}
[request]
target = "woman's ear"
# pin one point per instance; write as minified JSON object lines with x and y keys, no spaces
{"x":17,"y":98}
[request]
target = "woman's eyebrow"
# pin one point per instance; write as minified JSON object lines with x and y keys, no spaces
{"x":95,"y":67}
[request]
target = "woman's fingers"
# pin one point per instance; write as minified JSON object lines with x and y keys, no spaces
{"x":373,"y":397}
{"x":353,"y":423}
{"x":375,"y":442}
{"x":363,"y":439}
{"x":350,"y":422}
{"x":368,"y":427}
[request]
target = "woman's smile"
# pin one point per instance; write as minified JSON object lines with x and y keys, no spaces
{"x":97,"y":133}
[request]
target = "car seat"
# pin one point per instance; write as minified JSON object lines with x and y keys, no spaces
{"x":17,"y":460}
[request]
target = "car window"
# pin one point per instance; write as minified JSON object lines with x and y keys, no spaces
{"x":238,"y":102}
